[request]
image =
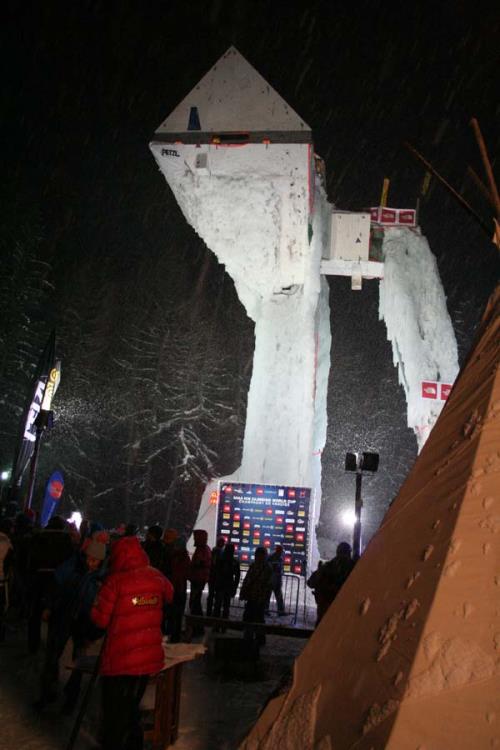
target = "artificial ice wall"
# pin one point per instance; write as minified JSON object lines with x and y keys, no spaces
{"x":260,"y":211}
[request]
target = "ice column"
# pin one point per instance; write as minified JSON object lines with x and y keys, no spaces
{"x":413,"y":305}
{"x":253,"y":207}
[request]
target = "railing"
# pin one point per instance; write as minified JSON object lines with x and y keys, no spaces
{"x":290,"y":588}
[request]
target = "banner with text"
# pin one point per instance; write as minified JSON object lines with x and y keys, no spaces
{"x":260,"y":515}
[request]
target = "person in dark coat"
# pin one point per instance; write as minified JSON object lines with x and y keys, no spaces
{"x":6,"y":558}
{"x":129,"y":607}
{"x":226,"y":580}
{"x":199,"y":570}
{"x":216,"y":552}
{"x":329,"y":578}
{"x":255,"y":592}
{"x":276,"y":563}
{"x":48,"y":549}
{"x":169,"y":539}
{"x":21,"y":541}
{"x":180,"y":567}
{"x":76,"y":583}
{"x":154,"y":547}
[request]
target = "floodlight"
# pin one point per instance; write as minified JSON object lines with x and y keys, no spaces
{"x":359,"y":462}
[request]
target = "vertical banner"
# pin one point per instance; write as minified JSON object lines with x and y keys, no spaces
{"x":53,"y":493}
{"x":46,"y":365}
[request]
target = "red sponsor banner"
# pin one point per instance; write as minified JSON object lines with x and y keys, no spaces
{"x":432,"y":389}
{"x":429,"y":389}
{"x":406,"y":217}
{"x":445,"y":391}
{"x":260,"y":490}
{"x":228,"y":488}
{"x":291,"y":493}
{"x":388,"y":216}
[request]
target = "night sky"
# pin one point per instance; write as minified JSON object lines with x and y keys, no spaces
{"x":85,"y":85}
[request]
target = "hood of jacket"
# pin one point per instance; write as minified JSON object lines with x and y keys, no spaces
{"x":200,"y":537}
{"x":127,"y":554}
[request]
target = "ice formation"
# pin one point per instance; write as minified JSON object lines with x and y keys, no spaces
{"x":413,"y":306}
{"x":245,"y":179}
{"x":240,"y":163}
{"x":252,"y":208}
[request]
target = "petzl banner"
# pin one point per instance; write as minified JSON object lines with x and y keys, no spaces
{"x":46,"y":366}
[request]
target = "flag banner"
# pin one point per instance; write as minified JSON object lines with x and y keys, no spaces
{"x":46,"y":365}
{"x":53,"y":493}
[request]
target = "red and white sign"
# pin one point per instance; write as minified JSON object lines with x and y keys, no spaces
{"x":392,"y":217}
{"x":445,"y":391}
{"x":429,"y":389}
{"x":432,"y":389}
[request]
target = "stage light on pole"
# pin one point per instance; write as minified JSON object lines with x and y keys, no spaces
{"x":359,"y":462}
{"x":348,"y":518}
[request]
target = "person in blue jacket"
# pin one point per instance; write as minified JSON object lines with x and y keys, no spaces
{"x":77,"y":582}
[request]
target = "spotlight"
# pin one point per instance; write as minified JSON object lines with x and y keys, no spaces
{"x":348,"y":518}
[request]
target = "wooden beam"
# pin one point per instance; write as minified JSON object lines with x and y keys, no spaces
{"x":447,"y":185}
{"x":487,"y":165}
{"x":480,"y":184}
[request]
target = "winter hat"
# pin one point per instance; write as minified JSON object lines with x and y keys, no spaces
{"x":156,"y":532}
{"x":96,"y":550}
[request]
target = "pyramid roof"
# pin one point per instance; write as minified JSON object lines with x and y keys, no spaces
{"x":233,"y":98}
{"x":408,"y":655}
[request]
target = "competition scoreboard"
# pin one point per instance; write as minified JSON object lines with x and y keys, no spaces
{"x":260,"y":515}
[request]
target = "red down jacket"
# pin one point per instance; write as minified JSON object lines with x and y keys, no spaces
{"x":130,"y":607}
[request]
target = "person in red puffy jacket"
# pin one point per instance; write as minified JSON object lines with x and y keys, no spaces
{"x":129,"y":607}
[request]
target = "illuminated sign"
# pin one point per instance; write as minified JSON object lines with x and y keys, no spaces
{"x":260,"y":515}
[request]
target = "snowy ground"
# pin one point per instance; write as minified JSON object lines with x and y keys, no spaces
{"x":218,"y":706}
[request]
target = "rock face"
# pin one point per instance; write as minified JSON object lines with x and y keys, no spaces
{"x":408,"y":655}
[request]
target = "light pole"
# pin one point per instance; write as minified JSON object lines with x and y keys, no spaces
{"x":359,"y":462}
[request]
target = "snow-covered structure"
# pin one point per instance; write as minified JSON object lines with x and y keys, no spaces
{"x":413,"y":306}
{"x":241,"y":165}
{"x":408,"y":655}
{"x":239,"y":161}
